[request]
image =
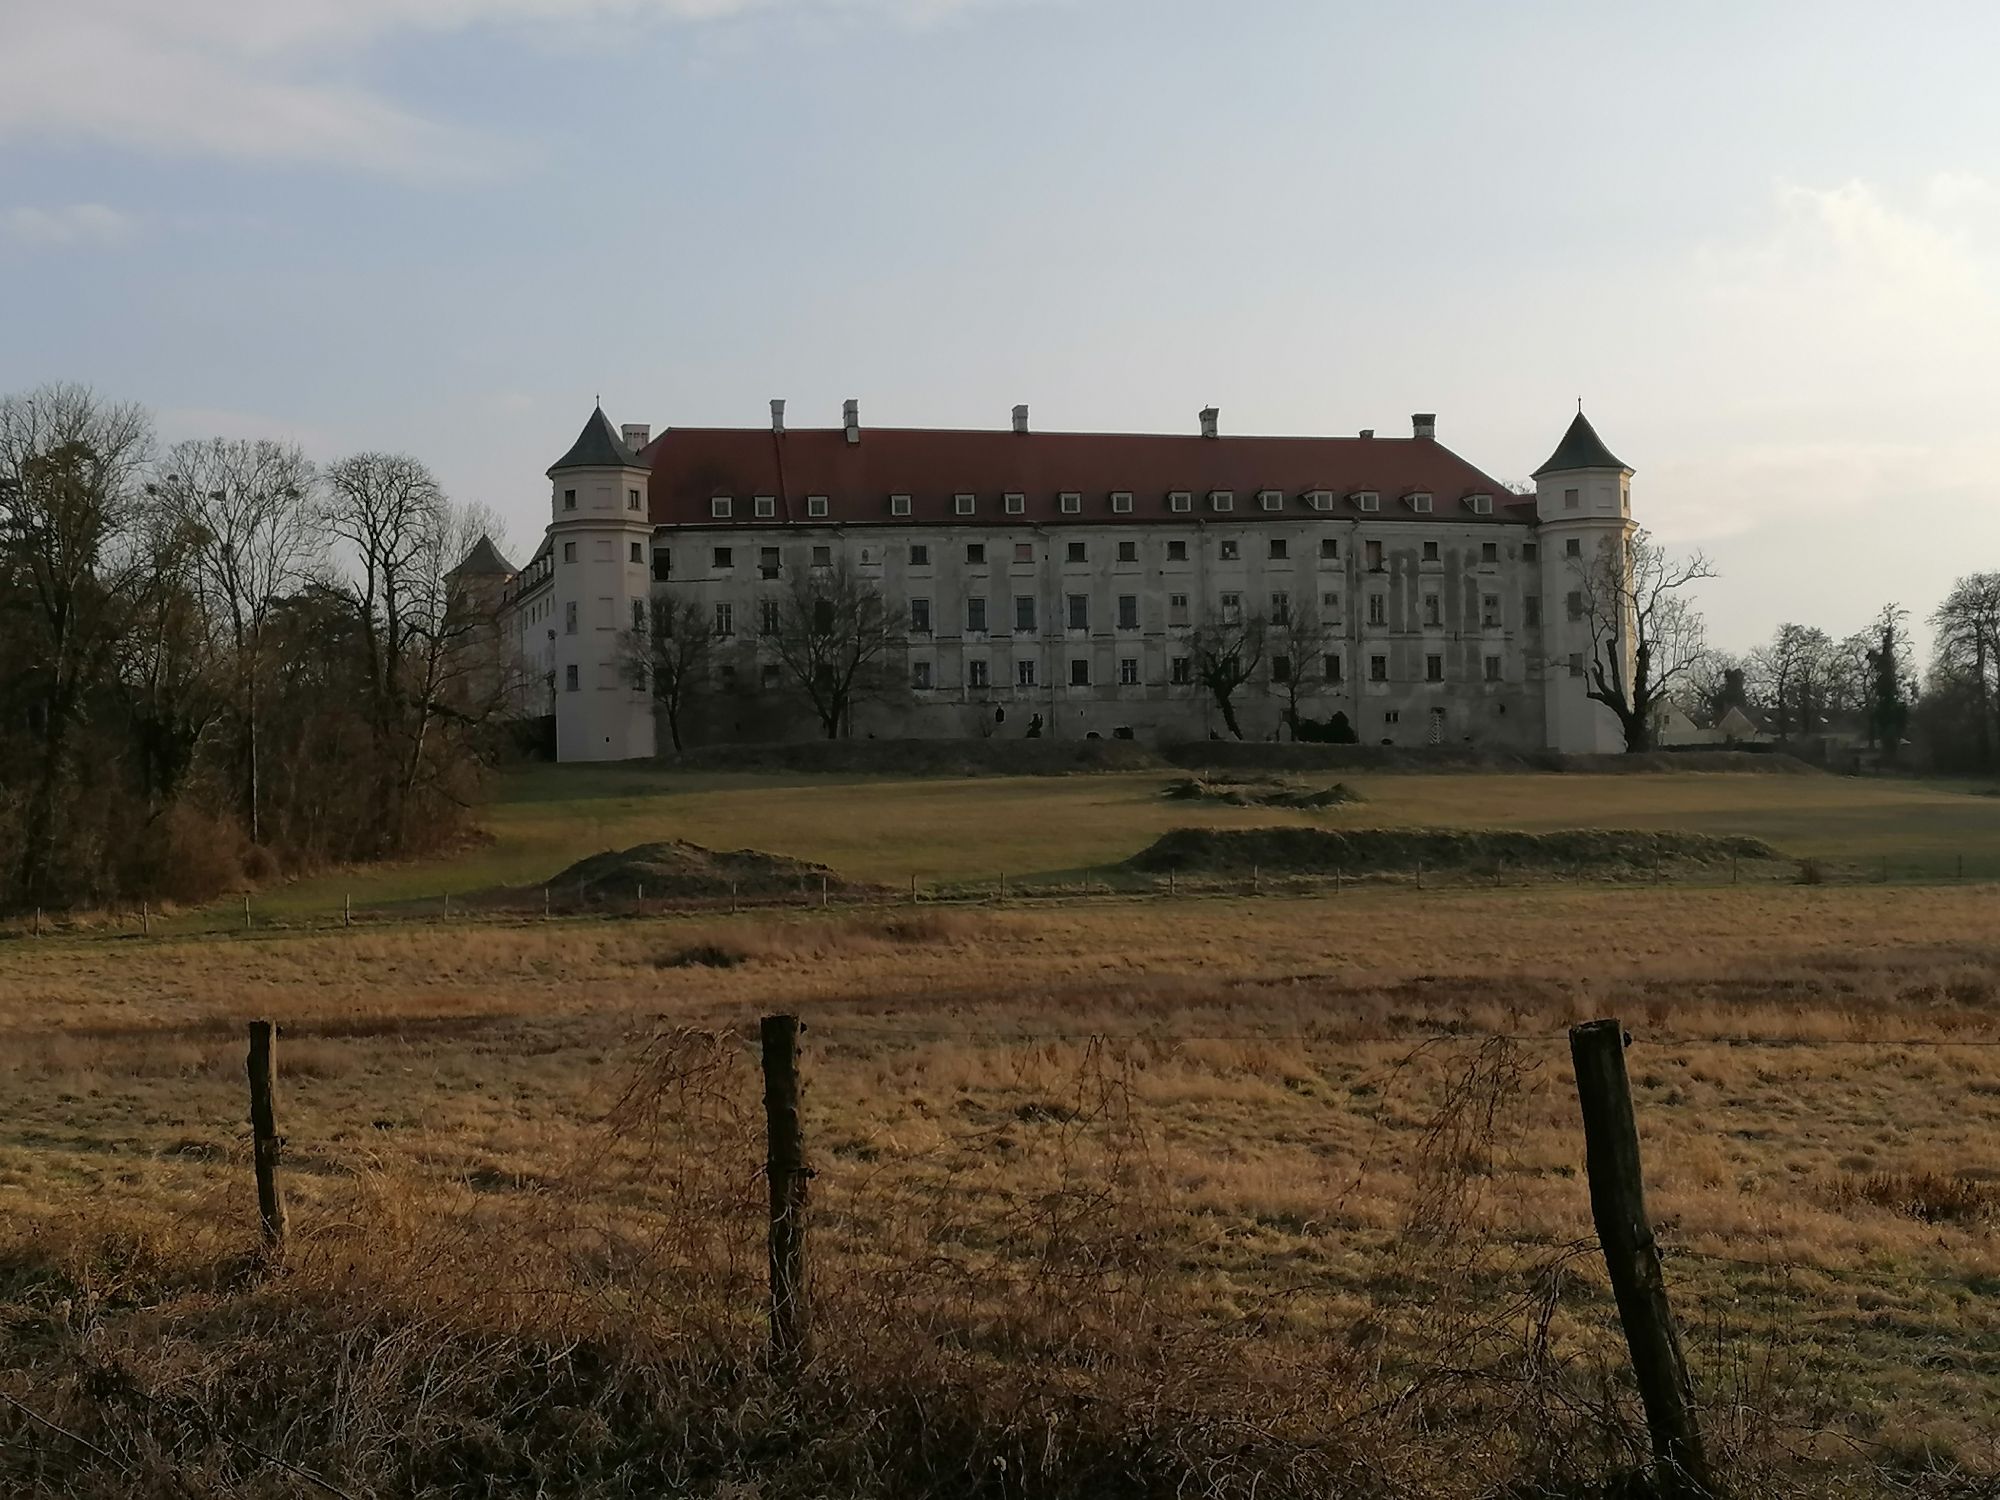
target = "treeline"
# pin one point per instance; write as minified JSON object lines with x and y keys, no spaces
{"x":219,"y":660}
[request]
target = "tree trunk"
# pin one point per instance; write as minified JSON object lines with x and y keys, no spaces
{"x":1229,"y":714}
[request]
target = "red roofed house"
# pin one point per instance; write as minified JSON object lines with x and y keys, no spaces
{"x":1056,"y":579}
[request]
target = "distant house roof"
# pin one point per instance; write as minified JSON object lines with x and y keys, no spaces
{"x":484,"y":559}
{"x":931,"y":467}
{"x":598,"y":446}
{"x":1580,"y":448}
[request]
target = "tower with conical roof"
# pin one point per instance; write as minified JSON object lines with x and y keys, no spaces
{"x":1583,"y":502}
{"x":600,"y":535}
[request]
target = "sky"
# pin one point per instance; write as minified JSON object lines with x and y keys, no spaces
{"x":1760,"y":241}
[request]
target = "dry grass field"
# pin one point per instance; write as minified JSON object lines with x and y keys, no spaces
{"x":1274,"y":1197}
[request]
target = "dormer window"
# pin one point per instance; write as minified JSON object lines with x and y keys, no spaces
{"x":1421,"y":504}
{"x":765,"y":507}
{"x":1482,"y":505}
{"x":1016,"y":504}
{"x":1121,"y":502}
{"x":1320,"y":499}
{"x":718,"y":507}
{"x":1071,"y":502}
{"x":1221,"y":499}
{"x":1271,"y":499}
{"x":1180,"y":500}
{"x":816,"y":507}
{"x":961,"y":505}
{"x":899,"y":505}
{"x":1367,"y":500}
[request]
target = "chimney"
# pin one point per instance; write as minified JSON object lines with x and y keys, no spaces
{"x":1368,"y":432}
{"x":1020,"y":419}
{"x":778,"y":416}
{"x":637,"y":434}
{"x":1424,"y":424}
{"x":1208,"y":419}
{"x":850,"y":418}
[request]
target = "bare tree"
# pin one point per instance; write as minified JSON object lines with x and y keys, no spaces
{"x":1802,"y":678}
{"x":1883,"y":670}
{"x":670,"y":656}
{"x":833,"y":631}
{"x":1298,"y":640}
{"x":1966,"y":653}
{"x":1226,"y":649}
{"x":1645,"y":634}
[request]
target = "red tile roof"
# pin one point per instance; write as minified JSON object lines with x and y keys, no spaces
{"x":693,"y":465}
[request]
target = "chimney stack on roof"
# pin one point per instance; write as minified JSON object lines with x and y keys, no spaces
{"x":1209,"y":415}
{"x":1424,"y":424}
{"x":778,"y":415}
{"x":1368,"y":432}
{"x":636,"y":434}
{"x":1020,"y":419}
{"x":850,"y":418}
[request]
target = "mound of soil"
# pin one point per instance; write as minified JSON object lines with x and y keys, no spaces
{"x":966,"y":757}
{"x":1257,"y":791}
{"x":1362,"y":851}
{"x":675,"y":870}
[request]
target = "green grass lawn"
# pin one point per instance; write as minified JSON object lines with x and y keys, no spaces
{"x":888,"y":829}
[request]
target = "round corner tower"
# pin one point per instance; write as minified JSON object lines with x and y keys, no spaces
{"x":1583,"y":505}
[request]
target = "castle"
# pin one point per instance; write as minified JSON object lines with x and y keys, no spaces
{"x":1054,"y":581}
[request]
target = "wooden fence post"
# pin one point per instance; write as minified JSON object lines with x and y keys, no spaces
{"x":1618,"y":1205}
{"x":265,"y":1141}
{"x":785,"y":1168}
{"x":145,"y":919}
{"x":347,"y":909}
{"x":246,"y":913}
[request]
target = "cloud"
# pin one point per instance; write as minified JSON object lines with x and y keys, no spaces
{"x":275,"y":80}
{"x":73,"y":224}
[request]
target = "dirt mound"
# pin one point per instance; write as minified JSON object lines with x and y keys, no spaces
{"x":1257,"y":791}
{"x":1362,"y":851}
{"x":1257,"y":755}
{"x":967,"y":757}
{"x":675,"y":870}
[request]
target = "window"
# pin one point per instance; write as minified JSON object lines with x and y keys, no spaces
{"x":1482,"y":505}
{"x":1378,"y":669}
{"x":767,"y":676}
{"x":663,"y":564}
{"x":1331,"y":666}
{"x":975,"y":553}
{"x":1574,"y":604}
{"x":1576,"y":664}
{"x":1024,"y":672}
{"x":1489,"y":552}
{"x":1320,"y":499}
{"x":1024,"y":611}
{"x":822,"y":616}
{"x":1128,"y":551}
{"x":1378,"y":609}
{"x":631,"y":499}
{"x":1530,"y":551}
{"x":1232,"y":607}
{"x":920,"y":675}
{"x":1181,"y":671}
{"x":1367,"y":500}
{"x":767,"y":616}
{"x":1078,"y":552}
{"x":569,"y":552}
{"x":1374,"y":557}
{"x":1221,"y":500}
{"x":1277,"y":549}
{"x":1434,"y":669}
{"x":961,"y":505}
{"x":1393,"y":716}
{"x":1281,"y":608}
{"x":1128,"y":611}
{"x":718,"y":507}
{"x":1330,"y":603}
{"x":725,"y":620}
{"x":1270,"y":499}
{"x":569,"y":678}
{"x":920,"y":616}
{"x":1228,"y":551}
{"x":975,"y":673}
{"x":1079,"y":672}
{"x":1070,"y":502}
{"x":1489,"y":611}
{"x":920,"y":555}
{"x":569,"y":503}
{"x":816,"y":506}
{"x":638,"y":614}
{"x":569,"y":617}
{"x":1421,"y":504}
{"x":1016,"y":504}
{"x":1573,"y":547}
{"x":1572,"y":499}
{"x":1079,"y":612}
{"x":1433,"y":610}
{"x":726,"y":675}
{"x":722,"y":558}
{"x":1430,"y":551}
{"x":1176,"y":551}
{"x":822,"y":557}
{"x":1128,"y":671}
{"x":638,"y":553}
{"x":767,"y":562}
{"x":975,"y":616}
{"x":1180,"y":500}
{"x":1329,"y":549}
{"x":1121,"y":502}
{"x":899,"y":505}
{"x":765,"y":507}
{"x":1281,"y":669}
{"x":1024,"y":552}
{"x":1492,"y":669}
{"x":1177,"y":609}
{"x":1531,"y":610}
